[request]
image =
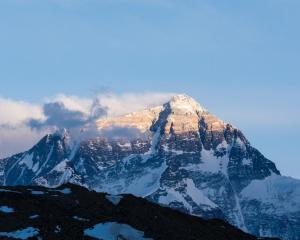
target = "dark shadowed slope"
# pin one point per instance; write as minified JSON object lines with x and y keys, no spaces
{"x":68,"y":211}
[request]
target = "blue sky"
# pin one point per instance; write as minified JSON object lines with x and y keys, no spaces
{"x":240,"y":59}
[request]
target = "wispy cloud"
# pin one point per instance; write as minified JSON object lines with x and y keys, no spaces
{"x":119,"y":104}
{"x":23,"y":123}
{"x":15,"y":112}
{"x":59,"y":116}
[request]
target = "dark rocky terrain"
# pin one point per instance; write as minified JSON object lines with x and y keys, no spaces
{"x":65,"y":212}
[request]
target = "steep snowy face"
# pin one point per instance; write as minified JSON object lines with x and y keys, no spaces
{"x":178,"y":155}
{"x":277,"y":199}
{"x":275,"y":190}
{"x":23,"y":168}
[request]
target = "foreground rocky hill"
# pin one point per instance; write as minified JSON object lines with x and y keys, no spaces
{"x":178,"y":155}
{"x":73,"y":212}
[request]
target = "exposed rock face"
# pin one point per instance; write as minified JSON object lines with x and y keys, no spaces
{"x":180,"y":155}
{"x":72,"y":212}
{"x":138,"y":120}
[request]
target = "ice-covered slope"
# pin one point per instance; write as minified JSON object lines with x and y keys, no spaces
{"x":178,"y":155}
{"x":277,"y":200}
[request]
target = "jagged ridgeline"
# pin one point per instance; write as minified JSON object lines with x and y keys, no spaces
{"x":178,"y":155}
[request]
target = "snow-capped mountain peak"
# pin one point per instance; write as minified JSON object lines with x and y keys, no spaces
{"x":180,"y":115}
{"x":184,"y":157}
{"x":186,"y":104}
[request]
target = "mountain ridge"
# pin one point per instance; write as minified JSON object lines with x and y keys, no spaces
{"x":178,"y":155}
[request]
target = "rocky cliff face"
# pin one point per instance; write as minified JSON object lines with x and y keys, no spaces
{"x":178,"y":155}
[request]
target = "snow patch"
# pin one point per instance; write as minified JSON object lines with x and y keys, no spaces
{"x":153,"y":148}
{"x":35,"y":167}
{"x":61,"y":167}
{"x":114,"y":199}
{"x":113,"y":230}
{"x":239,"y":217}
{"x":57,"y":229}
{"x":65,"y":170}
{"x":174,"y":196}
{"x":142,"y":185}
{"x":6,"y":209}
{"x":8,"y":191}
{"x":27,"y":160}
{"x":197,"y":195}
{"x":174,"y":151}
{"x":21,"y":234}
{"x":247,"y":162}
{"x":37,"y":193}
{"x":64,"y":191}
{"x":47,"y":160}
{"x":80,"y":219}
{"x":210,"y":163}
{"x":124,"y":145}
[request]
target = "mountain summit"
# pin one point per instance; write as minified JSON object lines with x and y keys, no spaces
{"x":186,"y":104}
{"x":178,"y":155}
{"x":181,"y":114}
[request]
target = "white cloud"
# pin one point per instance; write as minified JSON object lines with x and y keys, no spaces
{"x":74,"y":103}
{"x":17,"y":139}
{"x":119,"y":104}
{"x":15,"y":112}
{"x":16,"y":136}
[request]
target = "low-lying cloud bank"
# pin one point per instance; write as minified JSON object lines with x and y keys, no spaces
{"x":22,"y":123}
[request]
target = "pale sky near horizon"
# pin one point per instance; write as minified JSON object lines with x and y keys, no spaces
{"x":240,"y":59}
